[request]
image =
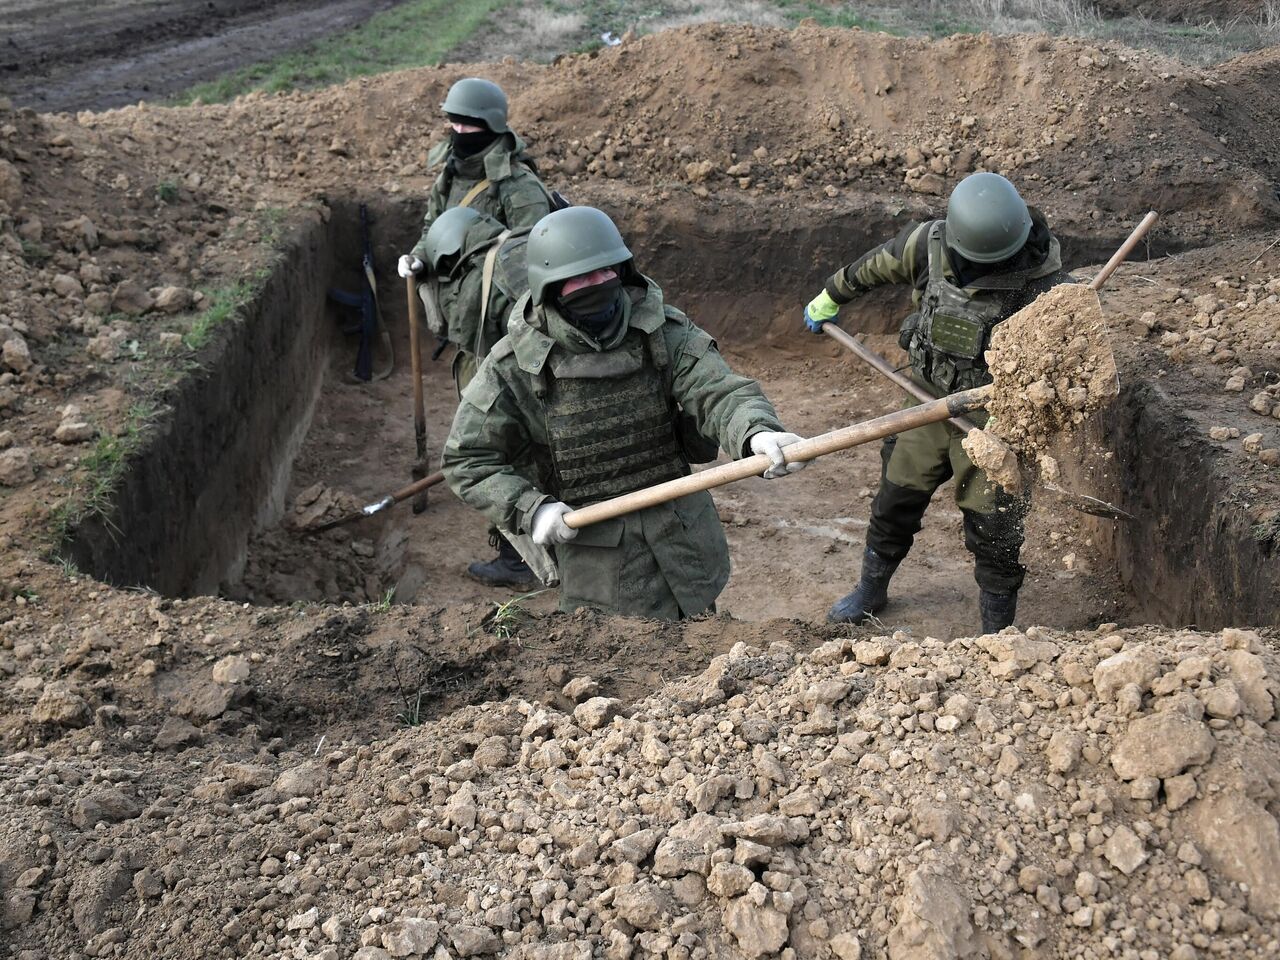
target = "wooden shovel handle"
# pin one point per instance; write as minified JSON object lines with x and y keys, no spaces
{"x":1126,"y":248}
{"x":851,"y":436}
{"x":880,"y":364}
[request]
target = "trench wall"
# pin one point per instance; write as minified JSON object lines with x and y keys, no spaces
{"x":216,"y":467}
{"x":1192,"y":556}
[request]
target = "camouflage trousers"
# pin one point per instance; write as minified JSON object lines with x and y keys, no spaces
{"x":913,"y":466}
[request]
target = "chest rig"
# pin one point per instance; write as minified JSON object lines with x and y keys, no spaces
{"x":954,"y":323}
{"x":611,"y":424}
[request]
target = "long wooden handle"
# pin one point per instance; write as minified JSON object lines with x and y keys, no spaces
{"x":426,"y":483}
{"x":415,"y":354}
{"x":873,"y":359}
{"x":842,"y":439}
{"x":1126,"y":248}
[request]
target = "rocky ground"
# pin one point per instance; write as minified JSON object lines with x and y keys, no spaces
{"x":195,"y":776}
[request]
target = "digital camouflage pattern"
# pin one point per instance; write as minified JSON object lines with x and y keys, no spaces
{"x":515,"y":196}
{"x":667,"y":561}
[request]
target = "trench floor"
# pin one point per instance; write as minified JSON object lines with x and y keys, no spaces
{"x":796,"y":543}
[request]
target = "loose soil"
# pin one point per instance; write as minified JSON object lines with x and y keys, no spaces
{"x":189,"y":770}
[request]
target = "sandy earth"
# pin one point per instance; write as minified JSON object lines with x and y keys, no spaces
{"x":195,"y":776}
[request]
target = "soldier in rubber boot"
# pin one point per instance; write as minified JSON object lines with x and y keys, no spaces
{"x":600,"y":388}
{"x":990,"y":256}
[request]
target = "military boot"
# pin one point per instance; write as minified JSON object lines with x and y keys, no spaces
{"x":507,"y":569}
{"x":870,"y":595}
{"x":997,"y":609}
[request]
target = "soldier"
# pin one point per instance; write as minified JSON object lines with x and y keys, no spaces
{"x":485,"y":166}
{"x":990,"y":257}
{"x":486,"y":170}
{"x":600,"y":388}
{"x":477,"y":270}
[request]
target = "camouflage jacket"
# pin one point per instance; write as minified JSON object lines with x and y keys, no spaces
{"x":515,"y":197}
{"x":664,"y":561}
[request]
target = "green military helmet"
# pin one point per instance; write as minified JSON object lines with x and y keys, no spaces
{"x":570,"y":242}
{"x":987,"y":221}
{"x":447,"y":233}
{"x":482,"y":99}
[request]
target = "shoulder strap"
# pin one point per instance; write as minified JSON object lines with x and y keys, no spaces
{"x":474,"y":192}
{"x":935,"y":251}
{"x":486,"y":282}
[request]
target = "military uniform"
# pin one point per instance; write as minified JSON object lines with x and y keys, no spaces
{"x":591,"y":420}
{"x":501,"y":182}
{"x":957,"y":304}
{"x":476,"y":295}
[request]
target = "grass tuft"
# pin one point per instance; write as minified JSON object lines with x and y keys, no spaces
{"x":414,"y":34}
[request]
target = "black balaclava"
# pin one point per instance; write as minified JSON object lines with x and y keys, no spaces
{"x":469,"y":144}
{"x":593,"y":309}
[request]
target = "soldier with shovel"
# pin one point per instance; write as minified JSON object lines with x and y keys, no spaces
{"x":991,"y":256}
{"x":601,"y":388}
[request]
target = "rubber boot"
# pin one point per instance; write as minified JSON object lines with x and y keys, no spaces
{"x":507,"y":569}
{"x":997,"y":609}
{"x":870,"y":595}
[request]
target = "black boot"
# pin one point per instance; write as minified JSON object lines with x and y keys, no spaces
{"x":870,"y":595}
{"x":507,"y":569}
{"x":997,"y":609}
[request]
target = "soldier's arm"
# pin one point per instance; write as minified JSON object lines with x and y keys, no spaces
{"x":487,"y":436}
{"x":525,"y":200}
{"x":904,"y":259}
{"x":724,"y":404}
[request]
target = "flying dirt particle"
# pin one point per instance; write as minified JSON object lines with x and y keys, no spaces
{"x":995,"y":458}
{"x":1052,"y":367}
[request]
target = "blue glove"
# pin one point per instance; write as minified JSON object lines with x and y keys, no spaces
{"x":821,"y":309}
{"x":815,"y":326}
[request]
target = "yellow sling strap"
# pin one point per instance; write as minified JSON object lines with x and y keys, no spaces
{"x":486,"y":284}
{"x":474,"y":192}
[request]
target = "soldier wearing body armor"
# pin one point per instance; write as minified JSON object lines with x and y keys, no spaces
{"x":476,"y":271}
{"x":600,"y":388}
{"x":486,"y":167}
{"x":990,"y":257}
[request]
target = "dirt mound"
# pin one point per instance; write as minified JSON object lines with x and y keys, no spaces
{"x":879,"y":796}
{"x":1053,"y":367}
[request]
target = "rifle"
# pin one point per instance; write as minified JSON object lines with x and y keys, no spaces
{"x":370,"y":325}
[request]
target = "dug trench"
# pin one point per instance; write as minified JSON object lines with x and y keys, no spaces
{"x":275,"y":425}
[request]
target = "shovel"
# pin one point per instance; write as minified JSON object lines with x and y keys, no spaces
{"x":417,"y":487}
{"x":1077,"y":501}
{"x":950,"y":407}
{"x":419,"y":405}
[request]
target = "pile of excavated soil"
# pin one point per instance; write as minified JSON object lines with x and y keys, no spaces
{"x":1053,"y":366}
{"x":1075,"y":795}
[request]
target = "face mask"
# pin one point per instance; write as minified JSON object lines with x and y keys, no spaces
{"x":592,"y":309}
{"x":469,"y":144}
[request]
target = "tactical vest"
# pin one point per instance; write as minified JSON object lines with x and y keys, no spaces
{"x":611,"y":424}
{"x":953,"y":324}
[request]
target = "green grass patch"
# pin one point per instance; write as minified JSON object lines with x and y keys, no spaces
{"x":224,"y":303}
{"x":828,"y":15}
{"x":415,"y":34}
{"x":103,"y":469}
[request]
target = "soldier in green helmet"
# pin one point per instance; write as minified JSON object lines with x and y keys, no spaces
{"x":476,"y":271}
{"x":600,"y":388}
{"x":487,"y":172}
{"x":486,"y":167}
{"x":478,"y":268}
{"x":990,"y":256}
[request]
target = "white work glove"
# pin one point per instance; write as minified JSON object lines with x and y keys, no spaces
{"x":409,"y":266}
{"x":549,"y":526}
{"x":771,"y":443}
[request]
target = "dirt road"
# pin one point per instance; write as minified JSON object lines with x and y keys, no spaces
{"x":68,"y":56}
